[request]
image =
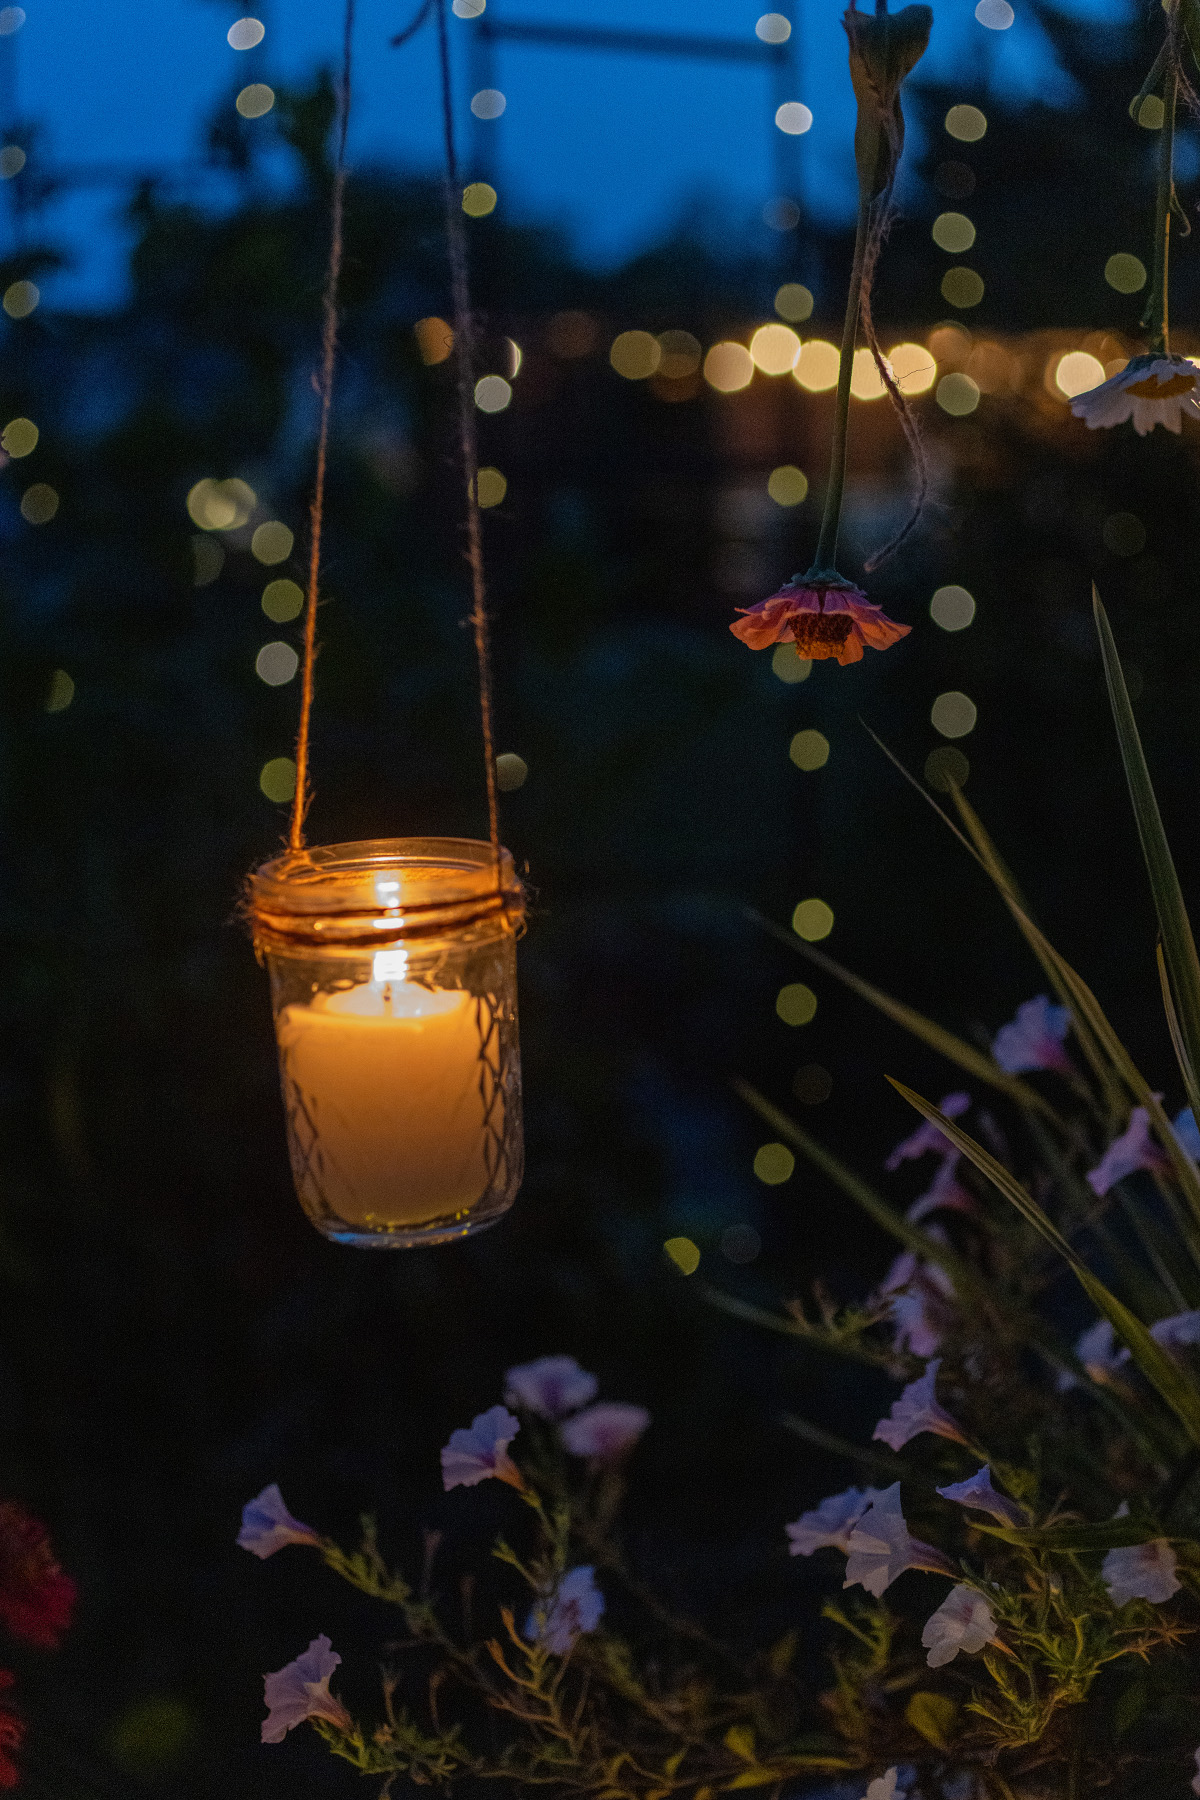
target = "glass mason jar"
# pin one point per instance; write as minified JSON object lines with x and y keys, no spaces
{"x":394,"y":987}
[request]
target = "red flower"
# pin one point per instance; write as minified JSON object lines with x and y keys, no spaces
{"x":12,"y":1730}
{"x":823,"y":618}
{"x":36,"y":1598}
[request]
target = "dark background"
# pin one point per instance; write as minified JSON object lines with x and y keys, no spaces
{"x":173,"y":1334}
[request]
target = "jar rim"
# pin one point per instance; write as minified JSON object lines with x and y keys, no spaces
{"x":383,"y":889}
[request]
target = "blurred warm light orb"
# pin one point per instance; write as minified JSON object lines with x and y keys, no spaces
{"x":812,"y":920}
{"x":255,"y":101}
{"x":61,"y":692}
{"x":793,"y":117}
{"x":788,"y":666}
{"x":997,"y":15}
{"x":435,"y":340}
{"x":957,"y":394}
{"x":953,"y":714}
{"x":492,"y":393}
{"x":277,"y":779}
{"x":276,"y":664}
{"x":21,"y":298}
{"x":913,"y":367}
{"x":966,"y":123}
{"x":728,"y":367}
{"x":774,"y":349}
{"x":684,"y":1254}
{"x":866,"y":383}
{"x":962,"y":287}
{"x":488,"y":103}
{"x":1125,"y":273}
{"x":208,"y":559}
{"x":796,"y":1004}
{"x":794,"y":302}
{"x":468,"y":9}
{"x":636,"y":355}
{"x":774,"y":1164}
{"x":512,"y":772}
{"x":516,"y":356}
{"x":809,"y":750}
{"x":781,"y":215}
{"x":39,"y":503}
{"x":817,"y":369}
{"x":787,"y":486}
{"x":19,"y":437}
{"x":11,"y":19}
{"x":492,"y":487}
{"x":272,"y":542}
{"x":1151,"y":113}
{"x":282,"y":600}
{"x":953,"y":231}
{"x":12,"y":161}
{"x":946,"y":768}
{"x":1077,"y":373}
{"x":245,"y":34}
{"x":479,"y":199}
{"x":681,"y":355}
{"x":953,"y":608}
{"x":221,"y":505}
{"x":773,"y":28}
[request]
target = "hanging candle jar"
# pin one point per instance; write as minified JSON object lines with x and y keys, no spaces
{"x":394,"y":991}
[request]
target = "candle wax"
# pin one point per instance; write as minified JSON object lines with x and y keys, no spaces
{"x":387,"y":1084}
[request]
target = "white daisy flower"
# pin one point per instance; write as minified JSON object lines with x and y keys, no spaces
{"x":1151,"y":390}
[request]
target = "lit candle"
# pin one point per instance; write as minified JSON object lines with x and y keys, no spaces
{"x":387,"y":1084}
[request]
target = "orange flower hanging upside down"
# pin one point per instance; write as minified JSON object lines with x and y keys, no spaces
{"x":823,"y":618}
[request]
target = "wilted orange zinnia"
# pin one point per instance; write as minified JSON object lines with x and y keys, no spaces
{"x":822,"y":618}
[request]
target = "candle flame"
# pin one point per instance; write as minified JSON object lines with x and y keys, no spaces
{"x":390,"y":965}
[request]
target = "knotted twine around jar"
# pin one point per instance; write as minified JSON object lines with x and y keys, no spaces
{"x":467,"y":431}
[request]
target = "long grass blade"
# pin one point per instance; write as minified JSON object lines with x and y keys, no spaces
{"x":1179,"y":946}
{"x":956,"y":1050}
{"x":1160,"y":1369}
{"x":1177,"y":1043}
{"x":965,"y":1278}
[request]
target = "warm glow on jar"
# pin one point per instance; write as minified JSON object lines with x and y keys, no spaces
{"x":393,"y":983}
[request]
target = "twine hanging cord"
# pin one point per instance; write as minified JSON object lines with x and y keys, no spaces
{"x":329,"y":337}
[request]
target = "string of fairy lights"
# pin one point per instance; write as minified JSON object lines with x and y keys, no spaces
{"x":956,"y":368}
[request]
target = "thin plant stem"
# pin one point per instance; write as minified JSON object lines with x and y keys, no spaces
{"x":1157,"y":310}
{"x":825,"y":561}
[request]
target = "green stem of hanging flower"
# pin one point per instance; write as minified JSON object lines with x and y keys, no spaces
{"x":825,"y":561}
{"x":1157,"y":309}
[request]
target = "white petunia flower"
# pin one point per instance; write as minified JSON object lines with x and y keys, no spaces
{"x":1150,"y":390}
{"x":963,"y":1621}
{"x":1141,"y":1572}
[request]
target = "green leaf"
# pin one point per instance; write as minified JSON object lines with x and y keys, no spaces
{"x":1179,"y":946}
{"x":1110,"y":1534}
{"x":946,"y":1043}
{"x":934,"y":1716}
{"x":1160,"y":1369}
{"x":740,"y":1739}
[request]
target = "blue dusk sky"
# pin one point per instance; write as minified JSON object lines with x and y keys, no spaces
{"x":609,"y":146}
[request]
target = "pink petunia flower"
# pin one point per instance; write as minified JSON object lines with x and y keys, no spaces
{"x":829,"y":1525}
{"x":927,"y":1137}
{"x":1134,"y":1149}
{"x":481,"y":1450}
{"x":1180,"y":1332}
{"x":551,"y":1387}
{"x":1141,"y":1572}
{"x":1151,"y":390}
{"x":822,"y":616}
{"x":605,"y":1431}
{"x":945,"y":1193}
{"x":964,"y":1621}
{"x":1034,"y":1039}
{"x":918,"y":1297}
{"x":977,"y":1493}
{"x":267,"y":1525}
{"x":301,"y":1691}
{"x":576,"y":1606}
{"x":917,"y":1410}
{"x":881,"y":1547}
